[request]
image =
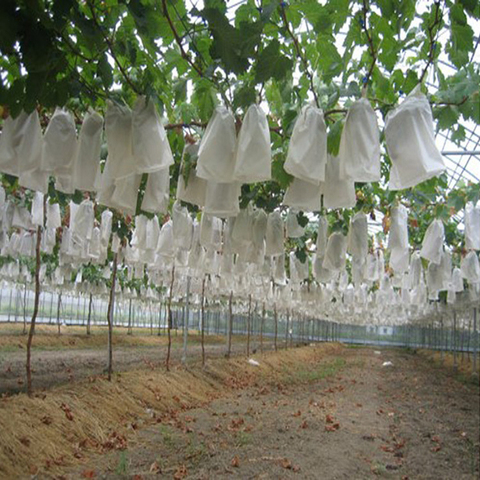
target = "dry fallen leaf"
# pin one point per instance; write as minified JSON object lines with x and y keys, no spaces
{"x":235,"y":462}
{"x":155,"y":468}
{"x":89,"y":473}
{"x":180,"y":473}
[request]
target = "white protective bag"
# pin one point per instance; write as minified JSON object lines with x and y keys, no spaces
{"x":182,"y":227}
{"x":275,"y":235}
{"x":152,"y":232}
{"x":150,"y":146}
{"x":28,"y":143}
{"x":81,"y":222}
{"x":357,"y":239}
{"x":259,"y":227}
{"x":210,"y":233}
{"x":106,"y":227}
{"x":410,"y":140}
{"x":302,"y":195}
{"x":432,"y":245}
{"x":472,"y":226}
{"x":322,"y":236}
{"x":222,"y":199}
{"x":470,"y":267}
{"x":37,"y":209}
{"x":194,"y":189}
{"x":243,"y":227}
{"x":359,"y":153}
{"x":457,"y":280}
{"x":125,"y":195}
{"x":415,"y":274}
{"x":307,"y":151}
{"x":88,"y":154}
{"x":337,"y":193}
{"x":139,"y":237}
{"x":216,"y":156}
{"x":253,"y":156}
{"x":54,"y":219}
{"x":22,"y":218}
{"x":60,"y":144}
{"x":157,"y":192}
{"x":336,"y":252}
{"x":398,"y":234}
{"x":298,"y":270}
{"x":294,"y":229}
{"x":321,"y":274}
{"x":118,"y":132}
{"x":8,"y":157}
{"x":166,"y":245}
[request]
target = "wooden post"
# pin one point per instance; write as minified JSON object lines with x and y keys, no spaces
{"x":129,"y":329}
{"x":25,"y":307}
{"x":230,"y":324}
{"x":275,"y":317}
{"x":169,"y":330}
{"x":249,"y":321}
{"x":454,"y":341}
{"x":203,"y":320}
{"x":111,"y":305}
{"x":59,"y":304}
{"x":262,"y":324}
{"x":185,"y":322}
{"x":286,"y":329}
{"x":475,"y":342}
{"x":35,"y":308}
{"x":89,"y":318}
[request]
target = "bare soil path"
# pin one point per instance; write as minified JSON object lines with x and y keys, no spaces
{"x":348,"y":417}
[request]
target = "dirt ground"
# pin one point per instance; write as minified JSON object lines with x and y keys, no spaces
{"x":73,"y":356}
{"x":347,"y":417}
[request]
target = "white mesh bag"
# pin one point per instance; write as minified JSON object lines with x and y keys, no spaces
{"x":166,"y":246}
{"x":88,"y":154}
{"x":336,"y":252}
{"x":274,"y":235}
{"x":253,"y":153}
{"x":307,"y":151}
{"x":157,"y":192}
{"x":410,"y":140}
{"x":222,"y":199}
{"x":216,"y":156}
{"x":182,"y":227}
{"x":125,"y":195}
{"x":472,"y":226}
{"x":8,"y":140}
{"x":457,"y":280}
{"x":321,"y":274}
{"x":59,"y":144}
{"x":149,"y":140}
{"x":106,"y":227}
{"x":432,"y":245}
{"x":357,"y":239}
{"x":81,"y":222}
{"x":194,"y":189}
{"x":294,"y":229}
{"x":398,"y":234}
{"x":118,"y":132}
{"x":53,"y":215}
{"x":243,"y":226}
{"x":470,"y":267}
{"x":37,"y":209}
{"x":337,"y":193}
{"x":322,"y":236}
{"x":259,"y":227}
{"x":303,"y":195}
{"x":359,"y":153}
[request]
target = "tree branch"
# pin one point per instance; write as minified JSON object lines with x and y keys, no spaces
{"x":110,"y":48}
{"x":431,"y":38}
{"x":371,"y":47}
{"x":299,"y":53}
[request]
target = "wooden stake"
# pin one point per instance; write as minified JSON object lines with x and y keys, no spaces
{"x":35,"y":310}
{"x":169,"y":329}
{"x":111,"y":303}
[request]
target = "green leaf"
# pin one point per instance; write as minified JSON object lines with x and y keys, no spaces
{"x":104,"y":71}
{"x":333,"y":138}
{"x":272,"y":64}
